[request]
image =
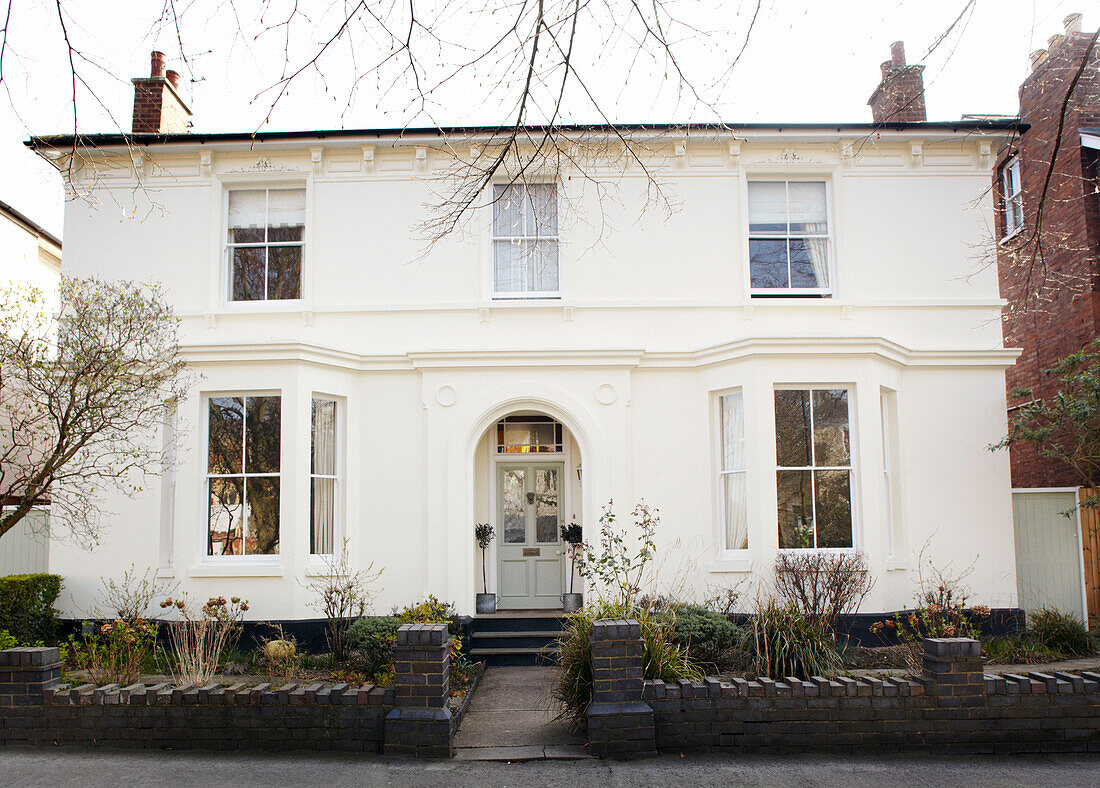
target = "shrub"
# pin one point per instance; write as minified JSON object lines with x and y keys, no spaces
{"x":26,"y":607}
{"x":704,"y":635}
{"x":781,"y":642}
{"x":115,"y":651}
{"x":8,"y":640}
{"x":662,"y":658}
{"x":822,"y":585}
{"x":131,"y":597}
{"x":1060,"y":632}
{"x":342,"y":595}
{"x":435,"y":611}
{"x":372,"y":639}
{"x":614,"y":566}
{"x":200,"y":641}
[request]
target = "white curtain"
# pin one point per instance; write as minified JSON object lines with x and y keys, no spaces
{"x":733,"y":471}
{"x":286,"y":208}
{"x":768,"y":207}
{"x":819,"y":259}
{"x":247,"y":208}
{"x":323,"y":468}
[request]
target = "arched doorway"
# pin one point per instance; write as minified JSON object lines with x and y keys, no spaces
{"x":527,"y":484}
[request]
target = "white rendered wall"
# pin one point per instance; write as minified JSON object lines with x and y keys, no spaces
{"x":654,"y":322}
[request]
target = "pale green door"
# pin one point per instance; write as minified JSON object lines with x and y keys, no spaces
{"x":529,"y":549}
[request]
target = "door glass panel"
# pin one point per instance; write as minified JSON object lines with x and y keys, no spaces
{"x":546,"y":510}
{"x":515,"y":516}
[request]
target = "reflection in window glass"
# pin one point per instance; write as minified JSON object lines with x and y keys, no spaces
{"x":788,"y":237}
{"x":525,"y":239}
{"x":266,"y":230}
{"x":546,"y":505}
{"x":813,"y":478}
{"x":528,"y":435}
{"x":515,"y":512}
{"x":243,"y":456}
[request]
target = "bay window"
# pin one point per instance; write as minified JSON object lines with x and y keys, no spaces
{"x":813,"y":468}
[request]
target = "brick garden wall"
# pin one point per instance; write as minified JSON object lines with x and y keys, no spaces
{"x":410,"y":718}
{"x":953,"y":707}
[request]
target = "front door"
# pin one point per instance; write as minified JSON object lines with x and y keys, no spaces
{"x":529,"y":547}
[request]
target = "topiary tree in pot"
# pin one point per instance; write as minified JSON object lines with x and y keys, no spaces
{"x":572,"y":536}
{"x":486,"y":602}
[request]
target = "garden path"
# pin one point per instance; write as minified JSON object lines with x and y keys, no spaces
{"x":511,"y":718}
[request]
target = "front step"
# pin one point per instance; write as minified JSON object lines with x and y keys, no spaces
{"x":514,"y":639}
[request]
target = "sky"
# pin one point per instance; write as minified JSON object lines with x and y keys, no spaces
{"x":805,"y":60}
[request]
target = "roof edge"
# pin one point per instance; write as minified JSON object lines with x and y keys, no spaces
{"x":31,"y":224}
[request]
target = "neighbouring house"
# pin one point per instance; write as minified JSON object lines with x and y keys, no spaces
{"x":806,"y":355}
{"x":1058,"y":557}
{"x":28,"y":254}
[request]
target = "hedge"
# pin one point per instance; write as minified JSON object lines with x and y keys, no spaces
{"x":26,"y":607}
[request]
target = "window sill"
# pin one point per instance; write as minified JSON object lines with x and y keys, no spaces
{"x":235,"y":570}
{"x":526,"y":297}
{"x":317,"y":568}
{"x":894,"y":564}
{"x":1012,"y":235}
{"x":731,"y":564}
{"x":166,"y":573}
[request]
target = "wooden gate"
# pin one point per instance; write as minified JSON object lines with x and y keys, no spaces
{"x":1090,"y":545}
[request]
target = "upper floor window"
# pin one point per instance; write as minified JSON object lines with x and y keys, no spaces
{"x":525,"y":241}
{"x":243,"y":457}
{"x":814,"y":468}
{"x":266,"y":229}
{"x":1014,"y":197}
{"x":788,"y":238}
{"x":731,"y":474}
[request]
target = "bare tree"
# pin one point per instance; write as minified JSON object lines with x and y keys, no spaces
{"x":77,"y":390}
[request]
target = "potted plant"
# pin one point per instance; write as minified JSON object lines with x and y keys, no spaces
{"x":571,"y":535}
{"x":486,"y":602}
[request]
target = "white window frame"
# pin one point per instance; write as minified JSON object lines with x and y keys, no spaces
{"x":204,"y":549}
{"x":224,"y":279}
{"x":524,"y":295}
{"x":722,"y":472}
{"x":853,"y":475}
{"x":337,"y":477}
{"x":1013,"y":199}
{"x":830,"y":236}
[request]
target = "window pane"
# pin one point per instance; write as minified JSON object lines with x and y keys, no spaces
{"x":544,"y":266}
{"x":226,"y":440}
{"x":542,"y":210}
{"x":262,"y":504}
{"x":831,"y":427}
{"x":507,"y":211}
{"x":768,"y":263}
{"x":736,"y":514}
{"x":792,"y":428}
{"x":809,"y":262}
{"x":323,"y":444}
{"x":509,"y":267}
{"x":807,"y":207}
{"x":284,"y":266}
{"x":795,"y":508}
{"x":546,"y":505}
{"x":247,"y":208}
{"x":515,"y":511}
{"x":284,"y":234}
{"x":833,"y":497}
{"x":322,"y":502}
{"x":225,"y":524}
{"x":733,"y":432}
{"x":767,"y":207}
{"x":246,"y":235}
{"x":248,"y":273}
{"x":262,"y":438}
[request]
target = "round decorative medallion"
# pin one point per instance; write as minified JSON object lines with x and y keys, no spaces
{"x":606,"y":394}
{"x":446,"y":396}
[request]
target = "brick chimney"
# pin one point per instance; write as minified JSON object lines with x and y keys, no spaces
{"x":899,"y":97}
{"x":158,"y":107}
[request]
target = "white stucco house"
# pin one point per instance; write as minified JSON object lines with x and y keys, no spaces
{"x":806,"y":354}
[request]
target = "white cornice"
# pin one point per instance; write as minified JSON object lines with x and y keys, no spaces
{"x":756,"y":347}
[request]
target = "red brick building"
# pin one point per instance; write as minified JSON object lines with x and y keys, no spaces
{"x":1051,"y":278}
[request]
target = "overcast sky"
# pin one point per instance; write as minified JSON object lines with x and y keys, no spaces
{"x":806,"y":60}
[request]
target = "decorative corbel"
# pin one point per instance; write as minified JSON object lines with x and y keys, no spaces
{"x":421,"y":158}
{"x":985,"y":153}
{"x":368,"y":159}
{"x":916,"y":152}
{"x":206,"y":163}
{"x":315,"y":157}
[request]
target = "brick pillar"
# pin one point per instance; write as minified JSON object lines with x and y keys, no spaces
{"x":420,"y":723}
{"x":620,"y":724}
{"x":954,"y":672}
{"x":27,"y":677}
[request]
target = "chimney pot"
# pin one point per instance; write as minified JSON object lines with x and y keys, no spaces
{"x":1072,"y":24}
{"x":1037,"y":57}
{"x":173,"y":77}
{"x":156,"y":69}
{"x":1054,"y":42}
{"x":158,"y":108}
{"x":897,"y":53}
{"x":887,"y":66}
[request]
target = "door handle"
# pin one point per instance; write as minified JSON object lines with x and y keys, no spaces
{"x":530,"y":499}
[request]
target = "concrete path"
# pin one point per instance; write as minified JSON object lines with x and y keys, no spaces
{"x":511,"y":718}
{"x":82,"y":768}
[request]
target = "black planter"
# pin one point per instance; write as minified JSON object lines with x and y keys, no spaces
{"x":486,"y":603}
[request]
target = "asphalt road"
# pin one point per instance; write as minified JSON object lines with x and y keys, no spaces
{"x":40,"y":766}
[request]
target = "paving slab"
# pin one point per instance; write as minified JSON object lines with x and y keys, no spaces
{"x":511,"y":718}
